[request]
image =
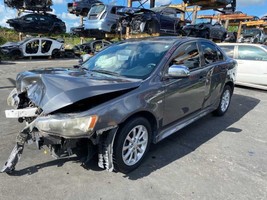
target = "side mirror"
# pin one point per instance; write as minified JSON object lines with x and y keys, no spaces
{"x":178,"y":71}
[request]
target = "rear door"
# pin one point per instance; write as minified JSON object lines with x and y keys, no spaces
{"x":29,"y":23}
{"x":214,"y":67}
{"x":32,"y":47}
{"x":252,"y":64}
{"x":45,"y":24}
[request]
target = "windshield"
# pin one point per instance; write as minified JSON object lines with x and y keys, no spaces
{"x":96,"y":9}
{"x":251,"y":32}
{"x":129,"y":59}
{"x":206,"y":21}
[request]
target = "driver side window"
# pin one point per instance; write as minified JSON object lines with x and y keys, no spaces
{"x":187,"y":55}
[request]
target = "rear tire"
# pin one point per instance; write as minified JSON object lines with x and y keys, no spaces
{"x":224,"y":101}
{"x":131,"y":144}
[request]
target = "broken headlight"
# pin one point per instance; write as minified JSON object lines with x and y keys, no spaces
{"x":67,"y":125}
{"x":13,"y":99}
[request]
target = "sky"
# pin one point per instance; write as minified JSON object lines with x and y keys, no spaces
{"x":250,"y":7}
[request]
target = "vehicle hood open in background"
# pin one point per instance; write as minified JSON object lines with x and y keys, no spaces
{"x":53,"y":89}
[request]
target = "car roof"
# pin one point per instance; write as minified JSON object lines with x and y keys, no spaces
{"x":41,"y":38}
{"x":43,"y":14}
{"x":238,"y":44}
{"x":173,"y":39}
{"x":161,"y":8}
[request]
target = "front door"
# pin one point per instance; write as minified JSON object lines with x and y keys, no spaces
{"x":184,"y":96}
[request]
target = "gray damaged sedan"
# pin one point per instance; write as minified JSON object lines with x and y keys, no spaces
{"x":121,"y":100}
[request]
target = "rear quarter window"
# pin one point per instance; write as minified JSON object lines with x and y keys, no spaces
{"x":251,"y":53}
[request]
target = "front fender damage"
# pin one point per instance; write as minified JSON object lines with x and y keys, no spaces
{"x":15,"y":154}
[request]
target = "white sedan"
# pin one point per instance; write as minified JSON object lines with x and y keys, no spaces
{"x":30,"y":47}
{"x":252,"y":63}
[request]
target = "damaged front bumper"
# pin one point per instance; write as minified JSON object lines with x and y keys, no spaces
{"x":58,"y":131}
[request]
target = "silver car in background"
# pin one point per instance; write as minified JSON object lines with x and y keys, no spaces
{"x":102,"y":19}
{"x":252,"y":63}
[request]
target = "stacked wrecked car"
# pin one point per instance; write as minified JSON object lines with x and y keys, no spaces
{"x":104,"y":19}
{"x":38,"y":21}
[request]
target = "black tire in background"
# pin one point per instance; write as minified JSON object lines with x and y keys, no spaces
{"x":55,"y":53}
{"x":16,"y":54}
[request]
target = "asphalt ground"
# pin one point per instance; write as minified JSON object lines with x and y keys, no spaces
{"x":213,"y":158}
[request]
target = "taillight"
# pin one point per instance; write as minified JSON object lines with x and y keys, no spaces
{"x":75,"y":4}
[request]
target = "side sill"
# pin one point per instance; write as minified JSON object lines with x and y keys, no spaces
{"x":181,"y":124}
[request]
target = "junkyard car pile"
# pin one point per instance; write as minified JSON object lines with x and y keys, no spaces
{"x":162,"y":20}
{"x":127,"y":96}
{"x":114,"y":19}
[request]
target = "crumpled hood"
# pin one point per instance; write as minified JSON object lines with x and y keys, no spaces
{"x":55,"y":88}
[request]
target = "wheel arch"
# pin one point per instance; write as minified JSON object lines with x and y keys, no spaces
{"x":149,"y":117}
{"x":16,"y":53}
{"x":231,"y":84}
{"x":55,"y":52}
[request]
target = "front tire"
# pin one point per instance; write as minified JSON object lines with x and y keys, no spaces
{"x":132,"y":144}
{"x":224,"y":101}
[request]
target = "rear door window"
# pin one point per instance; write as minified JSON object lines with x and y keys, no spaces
{"x":211,"y":53}
{"x":187,"y":55}
{"x":96,"y":10}
{"x":32,"y":47}
{"x":46,"y":46}
{"x":251,"y":53}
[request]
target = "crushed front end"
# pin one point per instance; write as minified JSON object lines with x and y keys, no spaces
{"x":59,"y":132}
{"x":54,"y":106}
